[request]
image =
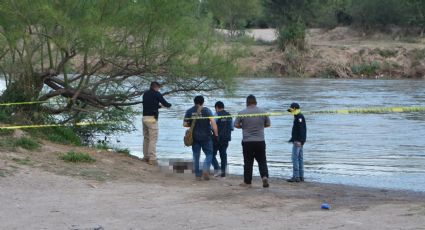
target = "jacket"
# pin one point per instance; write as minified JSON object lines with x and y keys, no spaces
{"x":299,"y":129}
{"x":151,"y":100}
{"x":225,"y":127}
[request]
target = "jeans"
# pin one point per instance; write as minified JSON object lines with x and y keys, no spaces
{"x":297,"y":160}
{"x":207,"y":147}
{"x":254,"y":150}
{"x":222,"y":149}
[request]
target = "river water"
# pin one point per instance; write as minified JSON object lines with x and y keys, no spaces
{"x":372,"y":150}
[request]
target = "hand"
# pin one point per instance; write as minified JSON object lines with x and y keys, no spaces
{"x":290,"y":141}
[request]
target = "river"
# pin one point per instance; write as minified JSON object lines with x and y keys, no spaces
{"x":371,"y":150}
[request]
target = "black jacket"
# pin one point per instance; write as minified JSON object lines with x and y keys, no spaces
{"x":151,"y":100}
{"x":299,"y":129}
{"x":225,"y":127}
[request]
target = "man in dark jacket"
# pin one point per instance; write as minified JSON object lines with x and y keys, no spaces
{"x":201,"y":136}
{"x":299,"y":135}
{"x":152,"y":101}
{"x":225,"y":128}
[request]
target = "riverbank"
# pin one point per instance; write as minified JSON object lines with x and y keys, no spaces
{"x":118,"y":191}
{"x":342,"y":52}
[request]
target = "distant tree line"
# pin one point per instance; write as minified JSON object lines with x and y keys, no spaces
{"x":316,"y":13}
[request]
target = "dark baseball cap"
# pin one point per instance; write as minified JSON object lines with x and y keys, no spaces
{"x":293,"y":106}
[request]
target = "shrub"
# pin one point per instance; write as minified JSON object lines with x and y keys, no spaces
{"x":292,"y":34}
{"x":77,"y":157}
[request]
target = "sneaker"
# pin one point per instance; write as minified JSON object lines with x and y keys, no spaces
{"x":206,"y":175}
{"x":217,"y":174}
{"x":265,"y":182}
{"x":223,"y":174}
{"x":302,"y":179}
{"x":245,"y":185}
{"x":293,"y":179}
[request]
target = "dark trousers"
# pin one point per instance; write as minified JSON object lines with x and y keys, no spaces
{"x":254,"y":150}
{"x":222,"y":149}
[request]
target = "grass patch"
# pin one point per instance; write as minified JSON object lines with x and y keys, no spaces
{"x":27,"y":143}
{"x":102,"y":146}
{"x":77,"y":157}
{"x":418,"y":54}
{"x":23,"y":161}
{"x":367,"y":69}
{"x":6,"y":132}
{"x":61,"y":135}
{"x":386,"y":53}
{"x":123,"y":151}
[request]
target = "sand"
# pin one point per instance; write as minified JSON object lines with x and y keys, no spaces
{"x":39,"y":191}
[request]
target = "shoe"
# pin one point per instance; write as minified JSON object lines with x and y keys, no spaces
{"x":217,"y":174}
{"x":223,"y":174}
{"x":294,"y":179}
{"x":265,"y":182}
{"x":206,"y":175}
{"x":245,"y":185}
{"x":198,"y":178}
{"x":302,"y":179}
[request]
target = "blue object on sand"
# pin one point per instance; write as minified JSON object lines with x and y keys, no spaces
{"x":326,"y":206}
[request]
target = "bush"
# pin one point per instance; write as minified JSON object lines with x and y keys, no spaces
{"x":77,"y":157}
{"x":386,"y":53}
{"x":292,"y":34}
{"x":27,"y":143}
{"x":123,"y":151}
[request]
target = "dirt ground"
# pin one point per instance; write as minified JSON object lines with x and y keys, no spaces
{"x":342,"y":52}
{"x":40,"y":191}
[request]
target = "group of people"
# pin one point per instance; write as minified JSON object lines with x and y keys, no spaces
{"x":212,"y":134}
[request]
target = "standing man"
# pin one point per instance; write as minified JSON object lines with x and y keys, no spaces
{"x":201,"y":135}
{"x":253,"y":143}
{"x":225,"y":128}
{"x":152,"y":101}
{"x":299,"y":135}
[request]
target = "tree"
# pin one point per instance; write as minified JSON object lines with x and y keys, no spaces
{"x":233,"y":14}
{"x":89,"y":59}
{"x":416,"y":14}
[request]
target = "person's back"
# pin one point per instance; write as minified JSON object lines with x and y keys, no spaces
{"x":252,"y":121}
{"x":253,"y":126}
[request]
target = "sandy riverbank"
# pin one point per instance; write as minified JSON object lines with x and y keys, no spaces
{"x":39,"y":191}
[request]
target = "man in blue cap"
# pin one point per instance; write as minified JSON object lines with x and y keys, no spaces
{"x":299,"y":135}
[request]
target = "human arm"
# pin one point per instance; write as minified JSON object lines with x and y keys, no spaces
{"x":238,"y":123}
{"x":267,"y":122}
{"x":161,"y":100}
{"x":214,"y":127}
{"x":187,"y":121}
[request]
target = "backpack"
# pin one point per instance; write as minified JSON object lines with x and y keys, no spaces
{"x":188,"y":137}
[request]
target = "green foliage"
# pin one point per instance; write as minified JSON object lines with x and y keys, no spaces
{"x":292,"y":34}
{"x":233,"y":15}
{"x":27,"y":143}
{"x":63,"y":135}
{"x":367,"y":69}
{"x":122,"y":151}
{"x":91,"y":59}
{"x":77,"y":157}
{"x":418,"y":54}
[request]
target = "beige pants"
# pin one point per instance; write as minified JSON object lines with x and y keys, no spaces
{"x":150,"y":134}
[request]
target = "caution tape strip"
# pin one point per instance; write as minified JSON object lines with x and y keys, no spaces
{"x":22,"y":103}
{"x":339,"y":111}
{"x":55,"y":125}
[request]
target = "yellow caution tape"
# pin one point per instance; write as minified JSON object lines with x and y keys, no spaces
{"x":55,"y":125}
{"x":22,"y":103}
{"x":340,"y":111}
